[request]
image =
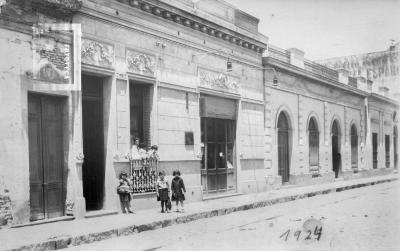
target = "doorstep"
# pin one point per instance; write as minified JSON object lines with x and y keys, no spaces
{"x":287,"y":185}
{"x":45,"y":221}
{"x":220,"y":196}
{"x":99,"y":213}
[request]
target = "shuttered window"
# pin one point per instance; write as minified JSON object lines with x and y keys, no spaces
{"x":313,"y":139}
{"x":140,"y":109}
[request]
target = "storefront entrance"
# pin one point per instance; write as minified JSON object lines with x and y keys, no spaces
{"x":93,"y":141}
{"x":218,"y":165}
{"x":46,"y":159}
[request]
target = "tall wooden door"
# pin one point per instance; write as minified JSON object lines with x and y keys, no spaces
{"x":93,"y":142}
{"x":218,"y":172}
{"x":336,"y":156}
{"x":46,"y":157}
{"x":283,"y":148}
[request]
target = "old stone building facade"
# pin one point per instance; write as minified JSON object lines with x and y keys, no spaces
{"x":83,"y":79}
{"x":319,"y":125}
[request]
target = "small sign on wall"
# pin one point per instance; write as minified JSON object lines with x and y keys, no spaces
{"x":189,"y":139}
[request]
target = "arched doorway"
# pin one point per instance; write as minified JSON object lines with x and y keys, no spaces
{"x":336,"y":157}
{"x":313,"y":145}
{"x":354,"y":147}
{"x":283,"y":147}
{"x":395,"y":140}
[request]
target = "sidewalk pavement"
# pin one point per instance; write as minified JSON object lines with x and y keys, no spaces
{"x":62,"y":234}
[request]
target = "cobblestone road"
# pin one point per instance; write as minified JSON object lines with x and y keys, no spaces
{"x":359,"y":219}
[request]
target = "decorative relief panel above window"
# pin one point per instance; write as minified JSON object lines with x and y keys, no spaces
{"x":141,"y":63}
{"x":96,"y":53}
{"x":218,"y":81}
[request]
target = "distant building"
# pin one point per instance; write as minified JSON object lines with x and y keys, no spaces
{"x":382,"y":68}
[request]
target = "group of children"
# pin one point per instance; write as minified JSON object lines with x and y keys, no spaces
{"x":163,"y":189}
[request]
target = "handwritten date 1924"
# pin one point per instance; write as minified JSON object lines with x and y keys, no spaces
{"x":308,"y":234}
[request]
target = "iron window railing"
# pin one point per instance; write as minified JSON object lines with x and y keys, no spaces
{"x":144,"y":175}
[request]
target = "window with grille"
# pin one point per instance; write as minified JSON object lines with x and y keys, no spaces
{"x":313,"y":139}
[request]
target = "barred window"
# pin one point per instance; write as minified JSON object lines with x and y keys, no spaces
{"x":313,"y":142}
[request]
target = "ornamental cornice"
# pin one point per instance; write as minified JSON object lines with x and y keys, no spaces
{"x":196,"y":23}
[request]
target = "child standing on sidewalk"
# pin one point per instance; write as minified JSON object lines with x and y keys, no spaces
{"x":178,"y":190}
{"x":163,"y":191}
{"x":124,"y":191}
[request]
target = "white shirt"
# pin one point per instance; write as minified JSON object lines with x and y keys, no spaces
{"x":162,"y":184}
{"x":137,"y":153}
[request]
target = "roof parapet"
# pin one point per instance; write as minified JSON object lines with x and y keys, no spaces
{"x":296,"y":57}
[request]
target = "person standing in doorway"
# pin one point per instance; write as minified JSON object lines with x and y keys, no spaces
{"x":137,"y":152}
{"x":163,"y":191}
{"x":178,"y":190}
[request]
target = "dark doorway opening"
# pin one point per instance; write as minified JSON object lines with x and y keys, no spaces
{"x":354,"y":148}
{"x":283,"y":148}
{"x":46,"y":159}
{"x":336,"y":156}
{"x":387,"y":151}
{"x":93,"y":141}
{"x":374,"y":150}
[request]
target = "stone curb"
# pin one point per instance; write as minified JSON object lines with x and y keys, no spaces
{"x":70,"y":241}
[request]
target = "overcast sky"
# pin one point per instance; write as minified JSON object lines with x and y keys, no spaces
{"x":327,"y":28}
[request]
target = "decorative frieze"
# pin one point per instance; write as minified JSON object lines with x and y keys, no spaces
{"x":140,"y":63}
{"x":218,"y":81}
{"x":96,"y":53}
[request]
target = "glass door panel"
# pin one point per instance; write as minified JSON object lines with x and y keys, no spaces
{"x":218,"y":171}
